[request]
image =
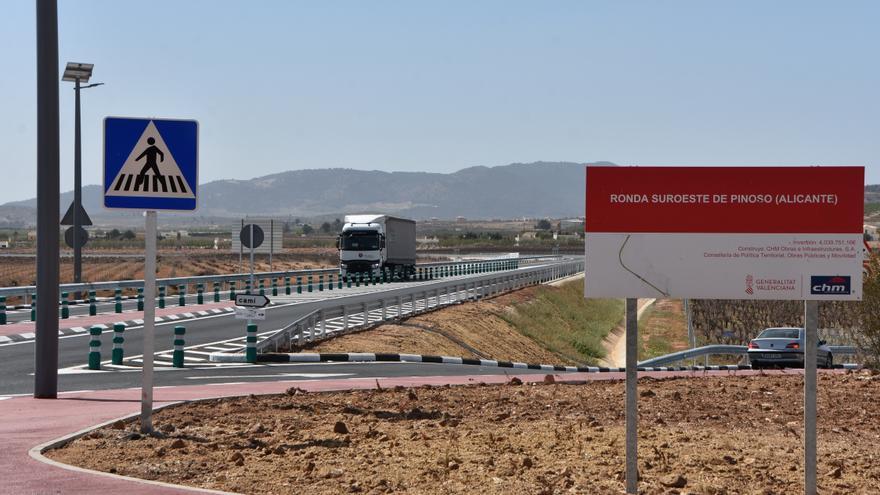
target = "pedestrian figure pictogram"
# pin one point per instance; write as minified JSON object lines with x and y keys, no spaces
{"x":150,"y":159}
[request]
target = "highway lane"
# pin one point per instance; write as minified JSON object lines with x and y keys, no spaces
{"x":17,"y":359}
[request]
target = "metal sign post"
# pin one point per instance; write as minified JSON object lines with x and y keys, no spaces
{"x":811,"y":324}
{"x":150,"y":236}
{"x":632,"y":407}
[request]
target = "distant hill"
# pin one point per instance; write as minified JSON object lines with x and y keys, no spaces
{"x":541,"y":189}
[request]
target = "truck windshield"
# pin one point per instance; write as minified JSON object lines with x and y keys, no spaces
{"x":360,"y":241}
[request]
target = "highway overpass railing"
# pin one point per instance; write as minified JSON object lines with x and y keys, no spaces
{"x":361,"y":311}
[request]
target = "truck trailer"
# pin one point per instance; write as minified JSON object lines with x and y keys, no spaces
{"x":377,"y":244}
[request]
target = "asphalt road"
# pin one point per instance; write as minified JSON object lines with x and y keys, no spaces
{"x":17,"y":359}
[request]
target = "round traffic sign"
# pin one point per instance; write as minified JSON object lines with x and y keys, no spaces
{"x":245,"y":236}
{"x":68,"y":237}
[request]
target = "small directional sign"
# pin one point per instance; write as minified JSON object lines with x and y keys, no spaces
{"x":251,"y":300}
{"x":150,"y":164}
{"x":250,"y":313}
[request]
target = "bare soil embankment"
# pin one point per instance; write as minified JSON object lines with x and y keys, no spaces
{"x":724,"y":435}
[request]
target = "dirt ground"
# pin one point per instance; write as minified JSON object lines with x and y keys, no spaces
{"x":468,"y":330}
{"x":719,"y":435}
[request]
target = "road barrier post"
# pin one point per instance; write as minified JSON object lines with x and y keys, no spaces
{"x":287,"y":286}
{"x":118,"y":341}
{"x":299,"y":285}
{"x":310,"y":283}
{"x":216,"y":292}
{"x":232,"y":290}
{"x":247,"y":287}
{"x":177,"y":355}
{"x":339,"y":281}
{"x":93,"y":309}
{"x":2,"y":310}
{"x":161,"y":296}
{"x":348,"y":280}
{"x":181,"y":295}
{"x":34,"y":307}
{"x":262,"y":288}
{"x":357,"y":279}
{"x":320,"y":283}
{"x":65,"y":309}
{"x":95,"y":348}
{"x":200,"y":294}
{"x":117,"y":298}
{"x":251,"y":355}
{"x":274,"y":286}
{"x":330,"y":281}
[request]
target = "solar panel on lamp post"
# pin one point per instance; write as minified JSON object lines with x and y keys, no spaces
{"x":78,"y":73}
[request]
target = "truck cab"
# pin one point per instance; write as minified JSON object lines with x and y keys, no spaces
{"x":361,"y":248}
{"x":377,"y":244}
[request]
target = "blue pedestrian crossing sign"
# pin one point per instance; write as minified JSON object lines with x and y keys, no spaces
{"x":151,"y":164}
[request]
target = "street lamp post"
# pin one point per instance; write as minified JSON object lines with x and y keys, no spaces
{"x":78,"y":73}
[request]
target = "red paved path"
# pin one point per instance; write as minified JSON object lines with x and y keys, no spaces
{"x":26,"y":422}
{"x":110,"y":318}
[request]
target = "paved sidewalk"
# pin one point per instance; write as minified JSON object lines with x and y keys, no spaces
{"x":25,"y":331}
{"x":28,"y":422}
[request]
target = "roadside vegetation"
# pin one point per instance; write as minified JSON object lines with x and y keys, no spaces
{"x":561,"y":320}
{"x":868,"y":337}
{"x":662,"y":329}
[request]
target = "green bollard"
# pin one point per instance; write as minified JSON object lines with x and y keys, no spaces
{"x":177,"y":355}
{"x":93,"y":309}
{"x":232,"y":290}
{"x":251,"y":353}
{"x":216,"y":292}
{"x":262,"y":288}
{"x":161,"y":296}
{"x":117,"y":307}
{"x":299,"y":285}
{"x":339,"y":281}
{"x":247,"y":287}
{"x":320,"y":283}
{"x":330,"y":281}
{"x":95,"y":348}
{"x":65,"y":309}
{"x":181,"y":295}
{"x":2,"y":310}
{"x":274,"y":286}
{"x":310,"y":283}
{"x":140,"y":299}
{"x":357,"y":280}
{"x":118,"y":341}
{"x":34,"y":307}
{"x":287,"y":286}
{"x":200,"y":294}
{"x":348,"y":280}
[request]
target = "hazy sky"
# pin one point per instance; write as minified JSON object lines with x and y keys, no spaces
{"x":443,"y":85}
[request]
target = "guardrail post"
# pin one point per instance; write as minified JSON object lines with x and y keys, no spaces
{"x":339,"y":281}
{"x":181,"y":295}
{"x":262,"y":288}
{"x":161,"y":296}
{"x":247,"y":286}
{"x":323,"y":324}
{"x":117,"y":298}
{"x":274,"y":286}
{"x":299,"y":285}
{"x":310,"y":283}
{"x":93,"y":309}
{"x":321,"y":283}
{"x":118,"y":342}
{"x":357,"y":280}
{"x":95,"y":348}
{"x":200,"y":293}
{"x":232,"y":290}
{"x":287,"y":286}
{"x":251,"y":353}
{"x":65,"y":309}
{"x":384,"y":310}
{"x":34,"y":307}
{"x":330,"y":281}
{"x":366,"y":314}
{"x":177,"y":355}
{"x":216,"y":292}
{"x":347,"y":281}
{"x":345,"y":316}
{"x":2,"y":310}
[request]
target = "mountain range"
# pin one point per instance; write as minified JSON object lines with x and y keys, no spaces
{"x":540,"y":189}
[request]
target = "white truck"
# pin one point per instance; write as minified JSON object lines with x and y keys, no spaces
{"x":373,"y":244}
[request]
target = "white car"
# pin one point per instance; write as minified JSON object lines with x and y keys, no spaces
{"x":784,"y":347}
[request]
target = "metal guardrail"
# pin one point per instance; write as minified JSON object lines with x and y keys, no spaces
{"x":27,"y":291}
{"x":420,"y":298}
{"x":716,"y":349}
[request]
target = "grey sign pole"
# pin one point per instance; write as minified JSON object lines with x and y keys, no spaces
{"x":252,"y":265}
{"x":48,"y":185}
{"x":632,"y":407}
{"x":271,"y":241}
{"x":149,"y":331}
{"x":77,"y":191}
{"x":811,"y":325}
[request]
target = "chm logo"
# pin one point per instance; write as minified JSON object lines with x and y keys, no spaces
{"x":830,"y":285}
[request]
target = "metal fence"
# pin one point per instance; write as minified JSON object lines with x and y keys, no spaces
{"x":363,"y":310}
{"x":722,"y":349}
